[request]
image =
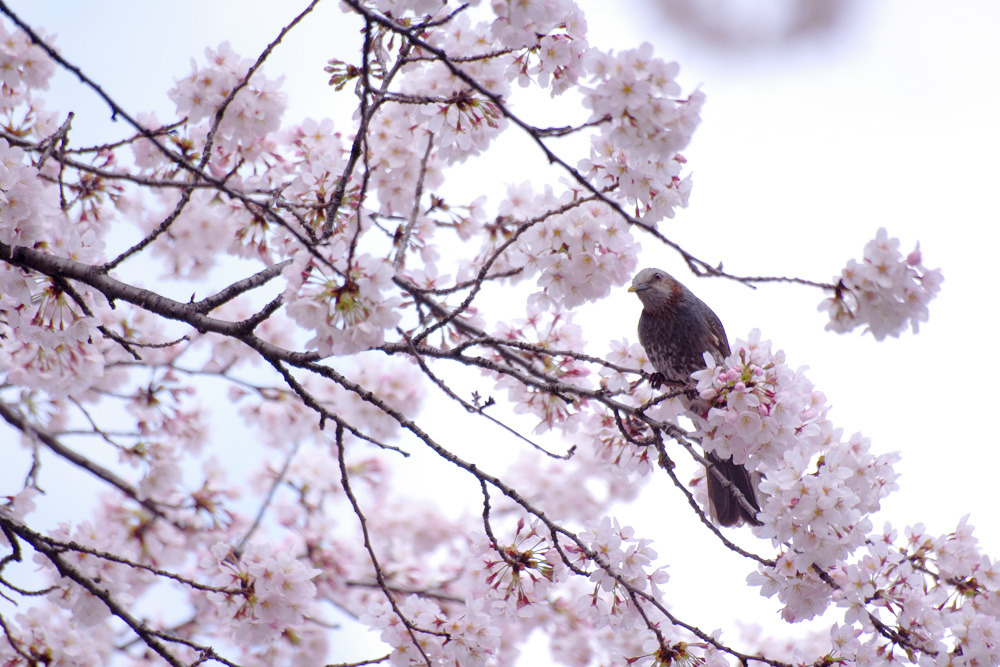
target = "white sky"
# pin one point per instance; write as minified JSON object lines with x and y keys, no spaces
{"x":801,"y":156}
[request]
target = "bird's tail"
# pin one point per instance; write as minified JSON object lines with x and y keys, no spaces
{"x":723,"y":503}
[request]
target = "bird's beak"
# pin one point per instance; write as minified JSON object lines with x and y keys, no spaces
{"x":638,"y":288}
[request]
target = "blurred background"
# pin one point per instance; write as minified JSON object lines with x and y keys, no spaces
{"x":825,"y":120}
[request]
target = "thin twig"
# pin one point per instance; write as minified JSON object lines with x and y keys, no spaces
{"x":404,"y":240}
{"x":16,"y":419}
{"x":345,"y":482}
{"x":262,"y":510}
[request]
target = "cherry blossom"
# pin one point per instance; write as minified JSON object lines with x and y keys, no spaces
{"x":884,"y":292}
{"x":27,"y":204}
{"x":23,"y":67}
{"x":254,"y":111}
{"x":637,"y":151}
{"x":275,"y":591}
{"x":348,"y":314}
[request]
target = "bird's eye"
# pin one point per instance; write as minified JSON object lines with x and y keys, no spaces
{"x":657,"y":276}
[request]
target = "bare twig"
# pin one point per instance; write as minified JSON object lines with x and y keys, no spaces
{"x":404,"y":240}
{"x":279,"y":478}
{"x":345,"y":482}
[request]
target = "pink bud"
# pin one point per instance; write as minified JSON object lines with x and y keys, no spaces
{"x":914,"y":257}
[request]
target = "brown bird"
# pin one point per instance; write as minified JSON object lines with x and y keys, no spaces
{"x":676,"y":328}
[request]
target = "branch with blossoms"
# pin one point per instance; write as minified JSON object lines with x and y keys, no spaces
{"x":54,"y":551}
{"x":354,"y":280}
{"x":117,"y":291}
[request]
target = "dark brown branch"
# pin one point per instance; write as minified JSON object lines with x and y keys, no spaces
{"x":262,"y":510}
{"x":704,"y":518}
{"x":472,"y":409}
{"x":164,"y":225}
{"x":14,"y":644}
{"x":113,"y":290}
{"x":311,"y":402}
{"x":373,"y":661}
{"x":71,"y":545}
{"x":404,"y":240}
{"x":64,"y":285}
{"x":569,"y":129}
{"x":484,"y":269}
{"x":360,"y":138}
{"x":210,"y":303}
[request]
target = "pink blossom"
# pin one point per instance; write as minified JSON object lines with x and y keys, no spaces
{"x":250,"y":526}
{"x":254,"y":112}
{"x":884,"y":292}
{"x":346,"y":315}
{"x":23,"y":65}
{"x":276,"y":591}
{"x":27,"y":205}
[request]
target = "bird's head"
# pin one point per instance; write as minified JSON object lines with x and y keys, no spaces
{"x":655,"y":288}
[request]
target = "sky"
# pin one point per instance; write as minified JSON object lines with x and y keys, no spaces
{"x":804,"y":151}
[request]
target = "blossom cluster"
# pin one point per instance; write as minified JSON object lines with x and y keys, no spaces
{"x":525,"y":585}
{"x":518,"y":24}
{"x":517,"y":575}
{"x":579,"y":255}
{"x":624,"y":442}
{"x":429,"y":635}
{"x":622,"y":559}
{"x":884,"y":292}
{"x":26,"y":204}
{"x":254,"y":111}
{"x":463,"y":121}
{"x":263,"y":592}
{"x":637,"y":150}
{"x":50,"y":335}
{"x":554,"y":60}
{"x":760,"y":409}
{"x":939,"y":592}
{"x":49,"y":635}
{"x":344,"y":305}
{"x":817,"y":489}
{"x":545,"y":332}
{"x":818,"y":492}
{"x":24,"y":67}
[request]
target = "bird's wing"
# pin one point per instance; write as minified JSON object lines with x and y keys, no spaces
{"x":717,"y":336}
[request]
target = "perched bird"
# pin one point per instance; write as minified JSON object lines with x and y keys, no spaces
{"x":676,"y":328}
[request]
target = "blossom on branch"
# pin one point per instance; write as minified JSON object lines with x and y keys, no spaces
{"x":344,"y":305}
{"x":637,"y":150}
{"x":884,"y":292}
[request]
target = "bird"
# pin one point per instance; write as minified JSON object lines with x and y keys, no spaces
{"x":676,"y":328}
